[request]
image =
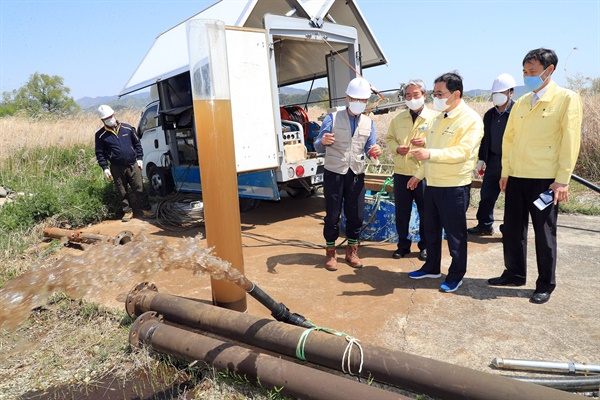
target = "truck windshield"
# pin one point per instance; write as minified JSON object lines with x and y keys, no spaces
{"x":178,"y":92}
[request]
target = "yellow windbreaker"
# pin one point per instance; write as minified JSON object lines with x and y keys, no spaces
{"x":453,"y":144}
{"x":401,"y":131}
{"x":542,"y":141}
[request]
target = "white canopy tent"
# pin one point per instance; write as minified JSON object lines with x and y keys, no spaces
{"x":168,"y":56}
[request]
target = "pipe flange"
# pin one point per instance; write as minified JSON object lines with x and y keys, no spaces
{"x":148,"y":322}
{"x":123,"y":238}
{"x":131,"y":296}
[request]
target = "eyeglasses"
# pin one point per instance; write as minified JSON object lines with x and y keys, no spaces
{"x":439,"y":94}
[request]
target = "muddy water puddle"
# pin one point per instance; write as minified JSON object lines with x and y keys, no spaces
{"x":86,"y":274}
{"x":168,"y":383}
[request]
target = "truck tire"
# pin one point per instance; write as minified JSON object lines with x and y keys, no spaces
{"x":301,"y":193}
{"x":160,"y":180}
{"x":247,"y":204}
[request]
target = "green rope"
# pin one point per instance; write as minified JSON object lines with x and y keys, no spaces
{"x":388,"y":181}
{"x":383,"y":192}
{"x":346,"y":358}
{"x":304,"y":337}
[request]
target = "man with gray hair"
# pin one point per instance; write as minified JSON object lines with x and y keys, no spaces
{"x":407,"y":130}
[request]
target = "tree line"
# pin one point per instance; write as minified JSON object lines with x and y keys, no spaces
{"x":46,"y":95}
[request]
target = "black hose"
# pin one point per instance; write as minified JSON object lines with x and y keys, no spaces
{"x":586,"y":183}
{"x":278,"y":310}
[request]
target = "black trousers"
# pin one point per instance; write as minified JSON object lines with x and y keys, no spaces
{"x":347,"y":191}
{"x":403,"y":199}
{"x":490,"y":190}
{"x":130,"y":176}
{"x":520,"y":195}
{"x":447,"y":208}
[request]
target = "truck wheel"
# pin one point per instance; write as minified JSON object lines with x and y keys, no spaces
{"x":160,"y":184}
{"x":301,"y":193}
{"x":247,"y":204}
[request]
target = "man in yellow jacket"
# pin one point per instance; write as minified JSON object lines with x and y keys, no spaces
{"x":407,"y":130}
{"x":449,"y":159}
{"x":539,"y":152}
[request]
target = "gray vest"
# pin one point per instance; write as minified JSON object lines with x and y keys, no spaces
{"x":348,"y":151}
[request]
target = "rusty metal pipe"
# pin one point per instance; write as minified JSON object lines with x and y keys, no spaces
{"x":404,"y":370}
{"x":86,"y":237}
{"x":270,"y":372}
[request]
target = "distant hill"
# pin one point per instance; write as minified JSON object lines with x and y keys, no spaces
{"x":133,"y":101}
{"x":289,"y":90}
{"x":287,"y":96}
{"x":519,"y":91}
{"x":140,"y":100}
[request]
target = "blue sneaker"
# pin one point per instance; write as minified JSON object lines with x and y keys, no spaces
{"x":449,"y":287}
{"x":420,"y":274}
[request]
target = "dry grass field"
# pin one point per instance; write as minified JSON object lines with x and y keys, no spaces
{"x":17,"y":134}
{"x":21,"y":133}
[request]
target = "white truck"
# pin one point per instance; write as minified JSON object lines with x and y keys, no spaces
{"x":270,"y":45}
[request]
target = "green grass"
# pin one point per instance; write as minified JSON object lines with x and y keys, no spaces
{"x":60,"y":187}
{"x":581,"y":201}
{"x":63,"y":183}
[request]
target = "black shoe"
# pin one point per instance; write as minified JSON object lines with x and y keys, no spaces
{"x":540,"y":298}
{"x":481,"y":230}
{"x":423,"y":255}
{"x":400,"y":254}
{"x":501,"y":228}
{"x":507,"y":281}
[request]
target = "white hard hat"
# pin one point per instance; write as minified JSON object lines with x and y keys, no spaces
{"x":503,"y":82}
{"x":359,"y":88}
{"x":105,"y":111}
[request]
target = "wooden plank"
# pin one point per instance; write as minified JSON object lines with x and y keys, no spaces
{"x":374,"y":182}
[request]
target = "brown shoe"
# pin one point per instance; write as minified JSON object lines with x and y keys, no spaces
{"x":127,"y":217}
{"x":148,"y":214}
{"x":330,"y":260}
{"x":352,"y":257}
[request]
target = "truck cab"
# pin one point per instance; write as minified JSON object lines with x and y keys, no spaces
{"x":156,"y":168}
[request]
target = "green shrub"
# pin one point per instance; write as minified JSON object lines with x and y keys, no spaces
{"x":62,"y":185}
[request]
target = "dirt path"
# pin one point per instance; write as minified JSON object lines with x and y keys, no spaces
{"x":381,"y":306}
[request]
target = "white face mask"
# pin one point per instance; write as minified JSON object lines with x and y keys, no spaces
{"x":441,"y":104}
{"x":111,"y":123}
{"x":357,"y":107}
{"x":415,"y":104}
{"x":499,"y":99}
